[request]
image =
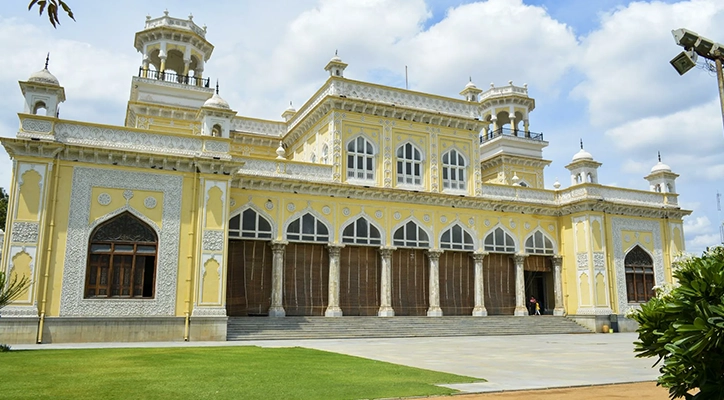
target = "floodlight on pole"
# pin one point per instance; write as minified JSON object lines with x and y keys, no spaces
{"x":694,"y":45}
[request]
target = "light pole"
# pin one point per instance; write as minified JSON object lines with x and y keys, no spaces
{"x":694,"y":45}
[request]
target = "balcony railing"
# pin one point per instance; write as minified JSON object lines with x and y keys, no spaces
{"x":172,"y":77}
{"x":492,"y":134}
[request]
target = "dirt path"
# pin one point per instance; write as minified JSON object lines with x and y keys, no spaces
{"x":638,"y":391}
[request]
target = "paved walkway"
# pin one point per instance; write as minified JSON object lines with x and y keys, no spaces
{"x":506,"y":362}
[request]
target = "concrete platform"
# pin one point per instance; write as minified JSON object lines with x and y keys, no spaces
{"x":506,"y":362}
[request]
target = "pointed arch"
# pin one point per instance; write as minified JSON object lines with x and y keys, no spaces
{"x":640,"y":281}
{"x":538,"y":242}
{"x":500,"y":240}
{"x":454,"y":170}
{"x":307,"y":226}
{"x":122,"y":254}
{"x":411,"y":234}
{"x":362,"y":230}
{"x":250,"y":223}
{"x":456,"y":237}
{"x":409,"y":164}
{"x":361,"y":158}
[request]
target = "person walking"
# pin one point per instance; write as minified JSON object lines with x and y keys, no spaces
{"x":537,"y":308}
{"x":532,"y":305}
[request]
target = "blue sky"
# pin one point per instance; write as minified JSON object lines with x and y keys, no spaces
{"x":599,"y":70}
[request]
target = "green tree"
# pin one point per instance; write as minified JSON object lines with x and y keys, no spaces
{"x":684,"y":327}
{"x":52,"y":7}
{"x":3,"y":207}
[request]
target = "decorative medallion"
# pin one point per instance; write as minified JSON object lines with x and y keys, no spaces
{"x":104,"y":199}
{"x":426,"y":218}
{"x":627,"y":238}
{"x":326,"y":210}
{"x":551,"y":227}
{"x":512,"y":224}
{"x":149,"y":202}
{"x":128,"y":194}
{"x":345,"y":212}
{"x":486,"y":222}
{"x":291,"y":207}
{"x":443,"y":219}
{"x":269,"y":205}
{"x":527,"y":226}
{"x":471,"y":221}
{"x":647,"y":239}
{"x":232,"y":202}
{"x":378,"y":214}
{"x":397,"y":215}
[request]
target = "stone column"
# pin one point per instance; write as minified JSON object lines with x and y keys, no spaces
{"x":513,"y":126}
{"x":520,"y":309}
{"x":277,"y":308}
{"x":434,"y":283}
{"x":479,"y":310}
{"x":333,"y":309}
{"x":558,"y":285}
{"x":386,"y":283}
{"x":526,"y":126}
{"x":187,"y":64}
{"x":495,"y":124}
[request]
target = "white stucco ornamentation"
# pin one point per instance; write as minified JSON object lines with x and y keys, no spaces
{"x":301,"y":171}
{"x":24,"y":232}
{"x":582,"y":261}
{"x":104,"y":199}
{"x":36,"y":125}
{"x":72,"y":301}
{"x":617,"y":226}
{"x":150,"y":202}
{"x":213,"y":240}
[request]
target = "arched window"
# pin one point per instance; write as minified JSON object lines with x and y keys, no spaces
{"x":360,"y":159}
{"x":216,"y":130}
{"x":249,"y":224}
{"x":453,"y":171}
{"x":639,"y":275}
{"x":121,"y":259}
{"x":312,"y":158}
{"x":325,"y":154}
{"x":456,"y":238}
{"x":410,"y":235}
{"x":538,"y":243}
{"x":409,"y":165}
{"x":308,"y":228}
{"x":40,"y":108}
{"x":361,"y":231}
{"x":499,"y":242}
{"x":523,"y":184}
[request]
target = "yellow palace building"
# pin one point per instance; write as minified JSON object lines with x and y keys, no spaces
{"x":368,"y":200}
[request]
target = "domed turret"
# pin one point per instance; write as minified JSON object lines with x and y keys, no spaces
{"x":42,"y":92}
{"x":217,"y":102}
{"x":661,"y":179}
{"x":216,"y":116}
{"x":289,"y":113}
{"x":584,"y":169}
{"x":335,"y":66}
{"x":471,"y":92}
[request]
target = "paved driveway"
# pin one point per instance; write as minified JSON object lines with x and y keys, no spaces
{"x":507,"y":362}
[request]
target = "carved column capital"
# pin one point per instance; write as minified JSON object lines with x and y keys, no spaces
{"x":434,"y":254}
{"x":479,"y":255}
{"x":519,"y":258}
{"x":278,"y":245}
{"x":335,"y":249}
{"x":386,"y":251}
{"x":557,"y":261}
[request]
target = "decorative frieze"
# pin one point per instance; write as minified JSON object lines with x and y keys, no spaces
{"x":24,"y":232}
{"x":213,"y":240}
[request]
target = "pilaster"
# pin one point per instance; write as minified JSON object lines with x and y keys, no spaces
{"x":559,"y":309}
{"x":333,"y":309}
{"x":479,"y":309}
{"x":434,"y":283}
{"x":386,"y":283}
{"x":520,"y":309}
{"x":277,"y":308}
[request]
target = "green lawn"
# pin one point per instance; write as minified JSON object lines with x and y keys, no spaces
{"x":210,"y":373}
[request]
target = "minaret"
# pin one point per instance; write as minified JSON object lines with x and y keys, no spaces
{"x":471,"y":91}
{"x":43,"y":93}
{"x":216,"y":116}
{"x":335,"y":66}
{"x":661,"y":179}
{"x":584,"y":169}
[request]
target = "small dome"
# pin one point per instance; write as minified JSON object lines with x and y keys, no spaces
{"x":290,"y":109}
{"x":470,"y":85}
{"x":660,"y":167}
{"x":582,"y":155}
{"x":217,"y":102}
{"x":336,"y":59}
{"x":44,"y":76}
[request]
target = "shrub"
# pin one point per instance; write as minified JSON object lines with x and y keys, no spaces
{"x":684,"y":327}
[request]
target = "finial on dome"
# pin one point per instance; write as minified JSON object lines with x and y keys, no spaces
{"x":191,"y":17}
{"x":556,"y":184}
{"x":470,"y":78}
{"x":335,"y":52}
{"x":581,"y":144}
{"x":47,"y":59}
{"x":659,"y":155}
{"x":290,"y":104}
{"x":165,"y":12}
{"x":217,"y":86}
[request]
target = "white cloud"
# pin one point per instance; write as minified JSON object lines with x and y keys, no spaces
{"x":698,"y":225}
{"x":701,"y":242}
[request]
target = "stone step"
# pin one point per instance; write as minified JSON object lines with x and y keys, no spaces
{"x":265,"y":328}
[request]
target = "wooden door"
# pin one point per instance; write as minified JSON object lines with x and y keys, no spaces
{"x":409,"y":282}
{"x":248,"y":282}
{"x":359,"y":281}
{"x":457,"y":280}
{"x":499,"y":281}
{"x":306,"y":279}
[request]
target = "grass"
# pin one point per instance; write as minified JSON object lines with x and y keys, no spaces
{"x":210,"y":373}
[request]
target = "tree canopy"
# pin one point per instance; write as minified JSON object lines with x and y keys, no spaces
{"x":52,"y":7}
{"x":684,"y":327}
{"x":3,"y":207}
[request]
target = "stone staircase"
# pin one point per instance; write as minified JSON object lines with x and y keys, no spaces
{"x":266,"y":328}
